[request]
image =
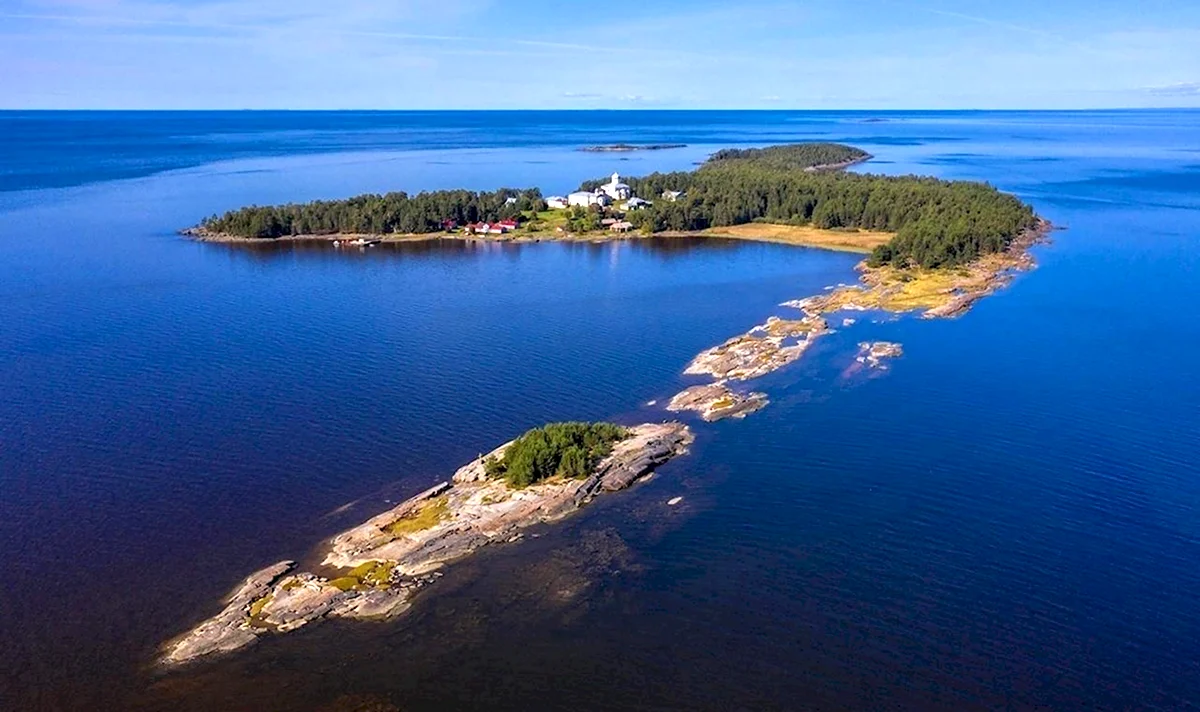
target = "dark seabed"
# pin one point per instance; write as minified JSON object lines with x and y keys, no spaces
{"x":1009,"y":518}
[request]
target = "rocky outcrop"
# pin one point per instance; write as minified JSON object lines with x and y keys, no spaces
{"x":873,"y":354}
{"x":389,"y":557}
{"x":716,"y":401}
{"x":225,"y":631}
{"x":762,"y":350}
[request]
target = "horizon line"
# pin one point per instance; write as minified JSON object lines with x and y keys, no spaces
{"x":593,"y":109}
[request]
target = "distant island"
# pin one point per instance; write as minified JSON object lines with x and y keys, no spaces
{"x":629,"y":147}
{"x":927,"y":222}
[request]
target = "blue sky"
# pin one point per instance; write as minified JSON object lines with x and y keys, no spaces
{"x":429,"y":54}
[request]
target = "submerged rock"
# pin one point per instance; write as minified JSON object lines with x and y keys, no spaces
{"x":715,"y":401}
{"x":391,"y":556}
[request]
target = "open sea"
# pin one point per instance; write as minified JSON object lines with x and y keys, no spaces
{"x":1009,"y":518}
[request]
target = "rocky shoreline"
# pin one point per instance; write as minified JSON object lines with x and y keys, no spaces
{"x":384,"y":561}
{"x":839,"y":166}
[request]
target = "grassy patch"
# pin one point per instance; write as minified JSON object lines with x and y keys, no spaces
{"x":425,"y":516}
{"x":257,"y":607}
{"x":547,"y":220}
{"x":345,"y":583}
{"x":723,"y":403}
{"x":376,"y":574}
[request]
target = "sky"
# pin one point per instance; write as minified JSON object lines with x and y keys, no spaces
{"x":563,"y":54}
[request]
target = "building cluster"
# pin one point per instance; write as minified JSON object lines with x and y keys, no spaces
{"x":611,"y":192}
{"x":606,"y":195}
{"x":496,"y":228}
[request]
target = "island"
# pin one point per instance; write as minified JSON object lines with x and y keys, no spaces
{"x":792,"y":193}
{"x":373,"y":570}
{"x":629,"y":147}
{"x":717,"y":401}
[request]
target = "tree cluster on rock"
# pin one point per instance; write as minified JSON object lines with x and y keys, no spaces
{"x":570,"y":450}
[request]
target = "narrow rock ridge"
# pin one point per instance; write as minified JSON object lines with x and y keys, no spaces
{"x":388,"y":558}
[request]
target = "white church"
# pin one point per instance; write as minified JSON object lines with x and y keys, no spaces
{"x":604,"y":195}
{"x":617,"y":190}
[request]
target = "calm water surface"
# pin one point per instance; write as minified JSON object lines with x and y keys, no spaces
{"x":1010,"y":518}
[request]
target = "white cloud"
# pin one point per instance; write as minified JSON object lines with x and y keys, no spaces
{"x":1180,"y":89}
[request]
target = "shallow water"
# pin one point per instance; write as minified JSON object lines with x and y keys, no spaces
{"x":1006,"y":518}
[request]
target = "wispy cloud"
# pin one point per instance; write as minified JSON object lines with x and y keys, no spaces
{"x":339,"y":26}
{"x":991,"y":22}
{"x":1180,"y":89}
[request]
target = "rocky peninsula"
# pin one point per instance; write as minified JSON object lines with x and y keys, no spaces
{"x":934,"y":293}
{"x":376,"y":567}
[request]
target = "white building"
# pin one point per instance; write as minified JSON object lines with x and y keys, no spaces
{"x":585,"y":199}
{"x":672,"y":195}
{"x":617,"y":190}
{"x":637,"y":204}
{"x":556,"y":202}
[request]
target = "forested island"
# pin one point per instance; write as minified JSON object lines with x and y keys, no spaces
{"x":933,"y":222}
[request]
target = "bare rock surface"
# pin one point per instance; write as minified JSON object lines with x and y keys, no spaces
{"x":875,"y":353}
{"x":762,"y":350}
{"x":715,"y":401}
{"x":225,"y":631}
{"x":389,"y":557}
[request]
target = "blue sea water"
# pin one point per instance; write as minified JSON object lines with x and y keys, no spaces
{"x":1008,"y":518}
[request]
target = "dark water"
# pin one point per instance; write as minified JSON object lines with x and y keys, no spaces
{"x":1010,"y":518}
